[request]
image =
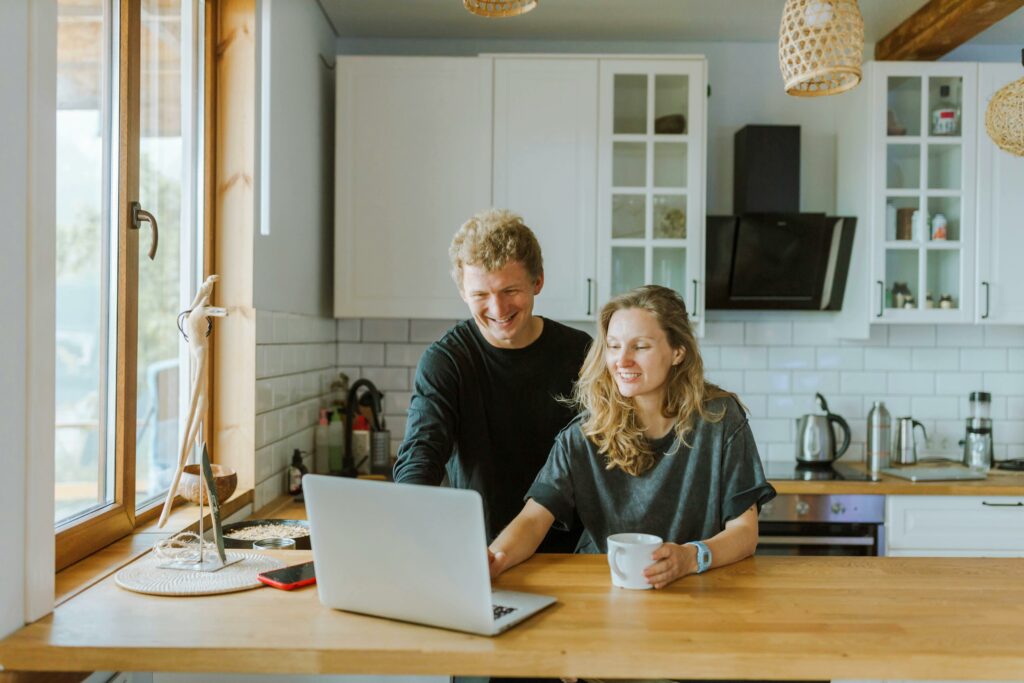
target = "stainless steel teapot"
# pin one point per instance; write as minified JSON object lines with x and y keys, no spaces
{"x":815,"y":437}
{"x":904,"y":444}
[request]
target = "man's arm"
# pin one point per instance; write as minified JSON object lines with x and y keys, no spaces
{"x":433,"y":421}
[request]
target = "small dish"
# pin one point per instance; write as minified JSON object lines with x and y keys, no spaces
{"x":225,"y":480}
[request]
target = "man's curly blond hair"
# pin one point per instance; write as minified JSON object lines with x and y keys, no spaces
{"x":491,"y":240}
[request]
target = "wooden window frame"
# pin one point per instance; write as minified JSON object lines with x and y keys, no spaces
{"x":101,"y":527}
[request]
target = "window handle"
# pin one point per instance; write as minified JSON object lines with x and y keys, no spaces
{"x":138,"y":215}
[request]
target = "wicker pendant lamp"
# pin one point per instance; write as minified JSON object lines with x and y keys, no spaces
{"x":820,"y":46}
{"x":499,"y":8}
{"x":1004,"y":118}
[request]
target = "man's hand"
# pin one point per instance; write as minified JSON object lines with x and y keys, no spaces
{"x":497,"y":562}
{"x":672,"y":562}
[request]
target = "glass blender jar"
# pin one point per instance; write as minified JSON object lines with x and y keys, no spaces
{"x":978,"y":437}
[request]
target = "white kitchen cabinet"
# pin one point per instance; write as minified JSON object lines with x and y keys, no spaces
{"x":1000,"y":291}
{"x":545,"y":169}
{"x":954,"y":526}
{"x":651,"y":177}
{"x":413,"y":162}
{"x":924,"y":170}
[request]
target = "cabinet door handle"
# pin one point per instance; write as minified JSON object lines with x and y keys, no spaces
{"x":590,"y":295}
{"x":881,"y":298}
{"x":1018,"y":504}
{"x":986,"y":286}
{"x":693,"y":310}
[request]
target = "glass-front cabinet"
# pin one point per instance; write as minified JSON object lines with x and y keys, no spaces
{"x":651,"y":178}
{"x":925,"y":121}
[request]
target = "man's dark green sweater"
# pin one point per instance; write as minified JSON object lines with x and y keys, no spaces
{"x":489,"y":416}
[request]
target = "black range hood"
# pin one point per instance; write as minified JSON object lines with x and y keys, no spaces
{"x":770,"y":256}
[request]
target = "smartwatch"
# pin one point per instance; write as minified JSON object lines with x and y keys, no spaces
{"x":703,"y":555}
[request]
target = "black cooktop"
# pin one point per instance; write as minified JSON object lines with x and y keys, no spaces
{"x":792,"y":471}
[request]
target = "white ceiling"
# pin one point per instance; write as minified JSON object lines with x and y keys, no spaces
{"x":614,"y":20}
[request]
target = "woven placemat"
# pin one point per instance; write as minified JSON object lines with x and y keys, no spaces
{"x":144,"y":576}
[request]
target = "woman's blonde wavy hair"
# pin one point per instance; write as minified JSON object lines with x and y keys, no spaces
{"x":611,"y":421}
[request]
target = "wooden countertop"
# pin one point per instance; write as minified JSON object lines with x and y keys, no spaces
{"x":998,"y":483}
{"x":763,"y":618}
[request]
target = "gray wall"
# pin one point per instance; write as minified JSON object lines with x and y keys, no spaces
{"x":293,"y":271}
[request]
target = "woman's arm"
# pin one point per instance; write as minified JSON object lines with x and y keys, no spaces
{"x":520,"y":538}
{"x":734,"y":543}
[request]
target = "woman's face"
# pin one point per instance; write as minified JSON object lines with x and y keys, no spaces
{"x":639,"y":356}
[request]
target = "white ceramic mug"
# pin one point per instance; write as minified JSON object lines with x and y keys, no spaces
{"x":628,"y":556}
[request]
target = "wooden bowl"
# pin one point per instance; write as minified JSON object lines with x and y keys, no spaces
{"x":225,"y":480}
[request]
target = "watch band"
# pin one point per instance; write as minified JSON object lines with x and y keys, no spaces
{"x":703,"y":555}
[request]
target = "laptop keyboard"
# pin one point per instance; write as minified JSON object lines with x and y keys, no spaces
{"x":501,"y":610}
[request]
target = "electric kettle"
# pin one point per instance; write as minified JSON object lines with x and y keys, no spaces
{"x":816,"y":438}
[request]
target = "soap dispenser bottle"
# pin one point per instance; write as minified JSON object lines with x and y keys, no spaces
{"x":295,"y":472}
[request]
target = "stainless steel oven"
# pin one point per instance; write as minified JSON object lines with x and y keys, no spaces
{"x":818,"y":524}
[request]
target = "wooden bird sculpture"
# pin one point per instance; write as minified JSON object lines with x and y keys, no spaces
{"x":196,"y":328}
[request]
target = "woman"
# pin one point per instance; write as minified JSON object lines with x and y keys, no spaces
{"x":656,"y":449}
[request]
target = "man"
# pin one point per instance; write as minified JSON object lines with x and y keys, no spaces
{"x":485,"y":404}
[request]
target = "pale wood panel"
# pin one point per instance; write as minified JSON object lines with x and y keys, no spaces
{"x":998,"y":484}
{"x":941,"y":25}
{"x":234,"y":369}
{"x":764,"y":618}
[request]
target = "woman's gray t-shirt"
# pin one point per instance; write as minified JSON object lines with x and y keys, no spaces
{"x":689,"y":494}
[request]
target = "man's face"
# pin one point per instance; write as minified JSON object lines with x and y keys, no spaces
{"x":501,"y":302}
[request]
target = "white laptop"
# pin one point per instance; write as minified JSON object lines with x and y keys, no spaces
{"x":414,"y":553}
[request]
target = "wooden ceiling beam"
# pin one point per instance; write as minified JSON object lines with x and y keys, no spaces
{"x":941,"y":25}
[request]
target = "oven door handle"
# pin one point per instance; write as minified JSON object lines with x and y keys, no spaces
{"x":815,"y":540}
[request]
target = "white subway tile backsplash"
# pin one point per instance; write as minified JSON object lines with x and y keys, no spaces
{"x":429,"y":330}
{"x":360,"y":354}
{"x":744,"y":357}
{"x":912,"y":335}
{"x":786,"y":406}
{"x":808,"y":334}
{"x":1015,"y":407}
{"x":867,"y":383}
{"x":348,"y":329}
{"x":887,"y":359}
{"x":1010,"y":431}
{"x":397,"y":402}
{"x":822,"y":381}
{"x":958,"y":383}
{"x":768,"y":430}
{"x":935,"y":359}
{"x":915,"y":383}
{"x":730,"y":380}
{"x":389,"y":379}
{"x":757,"y":404}
{"x":711,"y":356}
{"x":767,"y":333}
{"x":959,"y":336}
{"x":1016,"y":360}
{"x":791,"y":358}
{"x":1006,"y":383}
{"x":385,"y":330}
{"x":718,"y":333}
{"x":777,"y":452}
{"x":1004,"y":335}
{"x":934,"y":407}
{"x":840,"y":358}
{"x":983,"y":359}
{"x":404,"y":354}
{"x":767,"y":381}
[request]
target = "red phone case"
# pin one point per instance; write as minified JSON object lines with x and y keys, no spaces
{"x":263,"y":578}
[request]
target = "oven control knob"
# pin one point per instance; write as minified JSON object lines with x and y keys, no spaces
{"x":838,"y":508}
{"x":802,"y":507}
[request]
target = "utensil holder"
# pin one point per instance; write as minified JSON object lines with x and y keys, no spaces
{"x":380,"y":452}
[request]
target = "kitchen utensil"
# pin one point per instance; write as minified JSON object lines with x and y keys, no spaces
{"x":978,"y":451}
{"x":815,"y":436}
{"x":879,"y":443}
{"x":904,"y":448}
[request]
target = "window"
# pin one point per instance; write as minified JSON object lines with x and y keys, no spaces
{"x":129,"y":128}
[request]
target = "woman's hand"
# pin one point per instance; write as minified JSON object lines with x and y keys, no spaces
{"x":672,"y":562}
{"x":497,"y":562}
